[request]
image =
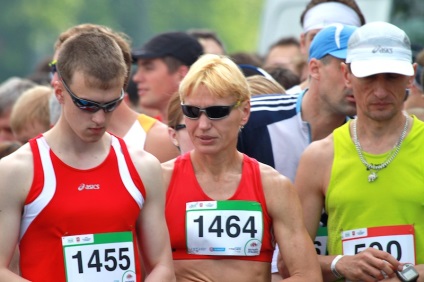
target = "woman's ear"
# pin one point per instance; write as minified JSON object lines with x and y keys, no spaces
{"x":245,"y":108}
{"x":173,"y":136}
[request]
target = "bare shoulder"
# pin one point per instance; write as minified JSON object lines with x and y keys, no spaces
{"x":320,"y":150}
{"x":158,"y":129}
{"x":280,"y":195}
{"x":17,"y":169}
{"x":274,"y":182}
{"x":167,"y":170}
{"x":143,"y":160}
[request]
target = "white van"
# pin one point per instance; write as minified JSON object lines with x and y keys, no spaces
{"x":281,"y":18}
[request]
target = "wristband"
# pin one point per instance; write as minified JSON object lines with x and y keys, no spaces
{"x":333,"y":267}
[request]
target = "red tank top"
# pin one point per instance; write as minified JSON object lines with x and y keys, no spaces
{"x":65,"y":201}
{"x":184,"y":188}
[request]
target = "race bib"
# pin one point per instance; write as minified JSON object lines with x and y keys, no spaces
{"x":399,"y":241}
{"x":226,"y":228}
{"x":99,"y":257}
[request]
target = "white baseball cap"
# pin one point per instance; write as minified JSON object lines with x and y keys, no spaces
{"x":379,"y":47}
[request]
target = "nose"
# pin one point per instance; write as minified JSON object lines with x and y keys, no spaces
{"x":99,"y":117}
{"x":380,"y":89}
{"x":138,"y":76}
{"x":204,"y":121}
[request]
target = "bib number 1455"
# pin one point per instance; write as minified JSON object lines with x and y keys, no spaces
{"x":99,"y":257}
{"x":110,"y":260}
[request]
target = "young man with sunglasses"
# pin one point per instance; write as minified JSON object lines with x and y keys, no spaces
{"x":82,"y":205}
{"x":137,"y":129}
{"x":224,"y":210}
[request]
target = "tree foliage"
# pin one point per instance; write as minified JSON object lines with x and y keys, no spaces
{"x":30,"y":28}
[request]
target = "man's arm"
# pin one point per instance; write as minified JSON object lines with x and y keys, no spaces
{"x":16,"y":173}
{"x":296,"y":247}
{"x":152,"y":230}
{"x":311,"y":182}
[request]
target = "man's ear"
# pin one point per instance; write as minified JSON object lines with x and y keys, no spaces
{"x":303,"y":43}
{"x":346,"y":74}
{"x":182,"y":71}
{"x":412,"y":78}
{"x":314,"y":66}
{"x":58,"y":90}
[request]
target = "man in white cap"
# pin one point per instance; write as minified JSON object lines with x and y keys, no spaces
{"x":319,"y":14}
{"x":368,"y":173}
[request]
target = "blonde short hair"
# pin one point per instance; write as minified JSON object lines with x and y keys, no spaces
{"x":219,"y":74}
{"x":31,"y":107}
{"x":261,"y":85}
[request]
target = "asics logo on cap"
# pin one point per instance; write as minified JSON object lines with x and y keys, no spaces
{"x":382,"y":50}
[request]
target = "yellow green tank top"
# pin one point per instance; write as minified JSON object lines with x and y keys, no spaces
{"x":395,"y":198}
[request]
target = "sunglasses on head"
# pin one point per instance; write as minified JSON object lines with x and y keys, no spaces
{"x":91,"y":106}
{"x":212,"y":112}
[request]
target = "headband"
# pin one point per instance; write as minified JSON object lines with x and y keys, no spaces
{"x":329,"y":13}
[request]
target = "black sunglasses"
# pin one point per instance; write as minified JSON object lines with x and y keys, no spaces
{"x":91,"y":106}
{"x":212,"y":112}
{"x":179,"y":127}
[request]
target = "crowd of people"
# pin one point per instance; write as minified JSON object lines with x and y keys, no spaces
{"x":179,"y":161}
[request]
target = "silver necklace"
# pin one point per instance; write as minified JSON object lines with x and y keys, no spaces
{"x":375,"y":168}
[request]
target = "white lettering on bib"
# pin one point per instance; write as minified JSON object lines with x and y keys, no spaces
{"x":225,"y":228}
{"x":398,"y":240}
{"x":99,"y":257}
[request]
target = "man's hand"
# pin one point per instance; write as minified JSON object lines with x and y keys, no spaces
{"x":369,"y":265}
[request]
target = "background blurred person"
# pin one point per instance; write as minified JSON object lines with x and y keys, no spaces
{"x":10,"y":90}
{"x":162,"y":62}
{"x":283,"y":76}
{"x":286,"y":53}
{"x":209,"y":40}
{"x":176,"y":125}
{"x":414,"y":103}
{"x":260,"y":85}
{"x":6,"y":148}
{"x":319,"y":14}
{"x":30,"y":115}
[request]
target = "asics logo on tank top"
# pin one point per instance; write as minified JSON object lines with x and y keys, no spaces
{"x":88,"y":187}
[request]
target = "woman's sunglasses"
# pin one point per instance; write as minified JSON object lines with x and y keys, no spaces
{"x":212,"y":112}
{"x":91,"y":106}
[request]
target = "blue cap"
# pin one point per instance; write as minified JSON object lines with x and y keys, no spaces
{"x":331,"y":40}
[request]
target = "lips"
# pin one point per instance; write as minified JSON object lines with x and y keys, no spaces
{"x":97,"y":130}
{"x":142,"y":91}
{"x":350,"y":98}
